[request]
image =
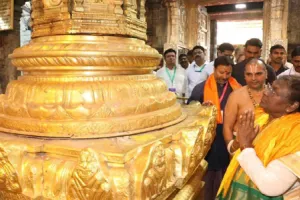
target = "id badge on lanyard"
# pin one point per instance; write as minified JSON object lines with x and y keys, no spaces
{"x":171,"y":89}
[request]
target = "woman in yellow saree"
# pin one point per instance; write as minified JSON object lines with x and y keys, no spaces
{"x":267,"y":165}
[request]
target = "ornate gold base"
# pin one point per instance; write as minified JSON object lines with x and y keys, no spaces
{"x":86,"y":87}
{"x":88,"y":120}
{"x":152,"y":165}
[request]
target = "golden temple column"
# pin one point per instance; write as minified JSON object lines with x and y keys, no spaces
{"x":88,"y":120}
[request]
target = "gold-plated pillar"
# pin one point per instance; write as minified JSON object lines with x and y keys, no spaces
{"x":88,"y":120}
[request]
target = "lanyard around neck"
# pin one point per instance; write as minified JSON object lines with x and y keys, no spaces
{"x":201,"y":68}
{"x":169,"y":75}
{"x":223,"y":93}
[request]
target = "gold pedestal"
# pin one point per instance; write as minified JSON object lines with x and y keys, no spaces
{"x":89,"y":120}
{"x":161,"y":164}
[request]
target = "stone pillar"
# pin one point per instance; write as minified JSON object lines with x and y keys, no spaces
{"x":275,"y":24}
{"x":177,"y":26}
{"x":198,"y":28}
{"x":173,"y":24}
{"x":156,"y":16}
{"x":293,"y":25}
{"x":213,"y":39}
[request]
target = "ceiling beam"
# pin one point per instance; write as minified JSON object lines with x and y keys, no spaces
{"x":237,"y":16}
{"x":224,"y":2}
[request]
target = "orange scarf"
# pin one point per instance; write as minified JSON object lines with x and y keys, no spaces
{"x":211,"y":93}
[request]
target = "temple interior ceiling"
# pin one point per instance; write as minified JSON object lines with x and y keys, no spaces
{"x":224,"y":2}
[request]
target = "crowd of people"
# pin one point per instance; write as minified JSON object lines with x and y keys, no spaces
{"x":256,"y":151}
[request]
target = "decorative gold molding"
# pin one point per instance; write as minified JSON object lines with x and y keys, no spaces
{"x":156,"y":164}
{"x":61,"y":17}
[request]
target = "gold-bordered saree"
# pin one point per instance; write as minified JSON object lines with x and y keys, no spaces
{"x":277,"y":139}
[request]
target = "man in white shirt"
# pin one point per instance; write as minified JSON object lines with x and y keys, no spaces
{"x":197,"y":71}
{"x":173,"y":74}
{"x":225,"y":49}
{"x":295,"y":70}
{"x":183,"y":61}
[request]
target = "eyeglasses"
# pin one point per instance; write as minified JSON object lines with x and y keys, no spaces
{"x":272,"y":93}
{"x":270,"y":89}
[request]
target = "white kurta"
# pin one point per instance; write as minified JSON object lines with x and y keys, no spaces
{"x":179,"y":82}
{"x":273,"y":180}
{"x":290,"y":71}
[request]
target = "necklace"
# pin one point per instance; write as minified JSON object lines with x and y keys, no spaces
{"x":252,"y":99}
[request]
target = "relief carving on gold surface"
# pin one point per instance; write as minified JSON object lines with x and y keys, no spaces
{"x":88,"y":181}
{"x":54,"y":105}
{"x":158,"y":175}
{"x":153,"y":170}
{"x":10,"y":188}
{"x":188,"y":147}
{"x":120,"y":17}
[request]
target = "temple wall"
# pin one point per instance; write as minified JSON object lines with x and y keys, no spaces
{"x":9,"y":40}
{"x":293,"y":24}
{"x":156,"y":24}
{"x":177,"y":25}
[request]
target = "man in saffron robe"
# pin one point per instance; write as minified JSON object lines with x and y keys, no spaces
{"x":266,"y":167}
{"x":216,"y":90}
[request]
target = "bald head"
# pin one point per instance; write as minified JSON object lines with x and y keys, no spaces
{"x":256,"y":62}
{"x":255,"y":73}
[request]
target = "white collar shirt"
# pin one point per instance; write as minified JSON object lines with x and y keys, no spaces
{"x":196,"y":74}
{"x":179,"y":82}
{"x":290,"y":71}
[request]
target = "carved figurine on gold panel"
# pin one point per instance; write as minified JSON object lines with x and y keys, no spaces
{"x":154,"y":171}
{"x":159,"y":172}
{"x":155,"y":179}
{"x":87,"y":181}
{"x":10,"y":188}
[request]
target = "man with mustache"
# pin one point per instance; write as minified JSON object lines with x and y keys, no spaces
{"x":245,"y":98}
{"x":216,"y":90}
{"x":277,"y":53}
{"x":197,"y":72}
{"x":295,"y":70}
